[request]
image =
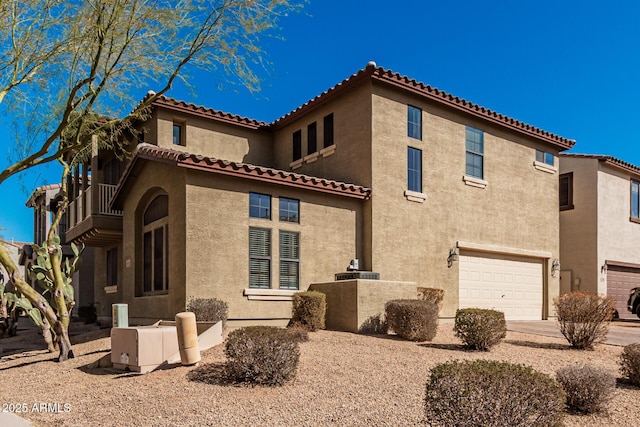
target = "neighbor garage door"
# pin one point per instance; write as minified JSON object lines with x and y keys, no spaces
{"x":509,"y":284}
{"x":620,"y":281}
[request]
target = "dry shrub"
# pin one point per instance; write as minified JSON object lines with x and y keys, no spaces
{"x":491,"y":394}
{"x":433,"y":295}
{"x":630,"y":363}
{"x":299,"y":331}
{"x":309,"y":308}
{"x":263,"y":355}
{"x":480,"y":329}
{"x":584,"y":318}
{"x":209,"y":309}
{"x":588,"y":388}
{"x":374,"y":325}
{"x":413,"y":320}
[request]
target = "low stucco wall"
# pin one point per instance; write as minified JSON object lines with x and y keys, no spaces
{"x":351,"y":302}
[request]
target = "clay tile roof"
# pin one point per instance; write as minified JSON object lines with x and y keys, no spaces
{"x":209,"y":113}
{"x":389,"y":77}
{"x":241,"y":170}
{"x":610,"y":160}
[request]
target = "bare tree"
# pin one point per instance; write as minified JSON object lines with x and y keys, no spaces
{"x":71,"y":69}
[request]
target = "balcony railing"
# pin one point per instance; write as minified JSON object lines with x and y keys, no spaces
{"x":105,"y":193}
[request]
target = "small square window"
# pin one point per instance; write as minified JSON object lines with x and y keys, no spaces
{"x":259,"y":206}
{"x":414,"y":122}
{"x":545,"y":157}
{"x":289,"y":210}
{"x":178,"y":134}
{"x":312,"y":138}
{"x":328,"y":131}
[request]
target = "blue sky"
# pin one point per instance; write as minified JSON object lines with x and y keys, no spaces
{"x":568,"y":67}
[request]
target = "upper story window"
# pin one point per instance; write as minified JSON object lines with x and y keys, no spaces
{"x":545,"y":157}
{"x":289,"y":210}
{"x":414,"y":122}
{"x":259,"y":206}
{"x":155,"y":246}
{"x":414,"y":170}
{"x":297,"y":145}
{"x":474,"y":153}
{"x":312,"y":138}
{"x":566,"y":191}
{"x":178,"y":134}
{"x":635,"y":201}
{"x":328,"y":130}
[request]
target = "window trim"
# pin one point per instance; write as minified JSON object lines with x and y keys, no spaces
{"x":412,"y":125}
{"x":569,"y":205}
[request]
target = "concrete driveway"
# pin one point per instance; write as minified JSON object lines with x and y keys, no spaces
{"x":620,"y":333}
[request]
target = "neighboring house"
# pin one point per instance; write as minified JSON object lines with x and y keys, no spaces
{"x":14,"y":249}
{"x":600,"y":226}
{"x":44,"y":201}
{"x":420,"y":186}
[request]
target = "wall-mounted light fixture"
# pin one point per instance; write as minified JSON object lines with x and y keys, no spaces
{"x":603,"y":269}
{"x":453,"y":256}
{"x":555,"y":266}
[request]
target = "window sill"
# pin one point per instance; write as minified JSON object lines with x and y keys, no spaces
{"x":414,"y":196}
{"x":311,"y":157}
{"x":269,"y":294}
{"x":544,"y":167}
{"x":296,"y":164}
{"x":328,"y":151}
{"x":566,"y":207}
{"x":475,"y":182}
{"x":111,"y":289}
{"x":635,"y":220}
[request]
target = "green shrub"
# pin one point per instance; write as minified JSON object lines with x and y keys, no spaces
{"x":584,"y":318}
{"x":588,"y":388}
{"x":413,"y":320}
{"x":209,"y":310}
{"x":480,"y":329}
{"x":433,"y":295}
{"x":299,"y":331}
{"x":309,"y":308}
{"x":630,"y":363}
{"x":491,"y":394}
{"x":374,"y":325}
{"x":263,"y":355}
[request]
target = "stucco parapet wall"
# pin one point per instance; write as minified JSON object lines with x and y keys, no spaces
{"x":183,"y":159}
{"x":391,"y":78}
{"x":479,"y":247}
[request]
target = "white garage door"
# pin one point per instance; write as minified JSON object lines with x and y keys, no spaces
{"x":509,"y":284}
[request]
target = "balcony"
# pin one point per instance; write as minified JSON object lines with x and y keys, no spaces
{"x":91,"y":220}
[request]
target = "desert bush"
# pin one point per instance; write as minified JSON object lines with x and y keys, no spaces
{"x":413,"y":320}
{"x":299,"y":331}
{"x":433,"y":295}
{"x":374,"y":325}
{"x":480,"y":329}
{"x":584,"y":318}
{"x":630,"y":363}
{"x":309,"y":308}
{"x":588,"y":388}
{"x":263,"y":355}
{"x":209,"y":310}
{"x":487,"y":393}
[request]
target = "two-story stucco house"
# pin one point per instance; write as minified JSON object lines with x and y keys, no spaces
{"x":418,"y":185}
{"x":600,"y":226}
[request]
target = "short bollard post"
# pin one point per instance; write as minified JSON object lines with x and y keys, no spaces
{"x":187,"y":338}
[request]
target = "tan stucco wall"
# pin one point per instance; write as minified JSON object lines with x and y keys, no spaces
{"x":217,"y":240}
{"x":411,"y":241}
{"x":214,"y":139}
{"x":578,"y":226}
{"x":350,"y":303}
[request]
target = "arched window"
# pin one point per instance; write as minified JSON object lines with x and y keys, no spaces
{"x":155,"y":246}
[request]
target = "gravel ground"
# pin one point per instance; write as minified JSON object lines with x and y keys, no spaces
{"x":343,"y":379}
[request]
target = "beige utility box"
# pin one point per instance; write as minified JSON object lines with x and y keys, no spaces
{"x":142,"y":348}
